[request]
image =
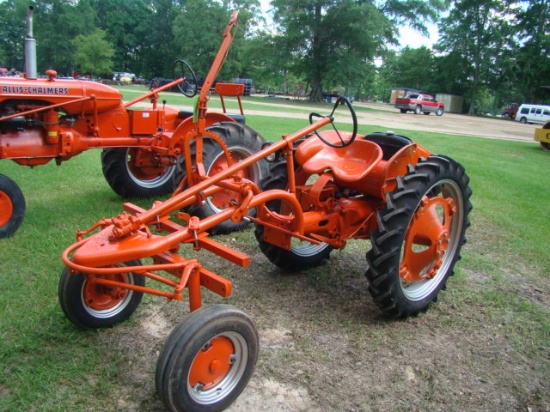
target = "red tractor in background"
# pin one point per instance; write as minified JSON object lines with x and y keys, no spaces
{"x":321,"y":187}
{"x":52,"y":119}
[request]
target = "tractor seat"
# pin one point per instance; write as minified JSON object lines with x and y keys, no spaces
{"x":348,"y":164}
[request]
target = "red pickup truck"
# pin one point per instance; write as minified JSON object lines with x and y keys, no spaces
{"x":419,"y":103}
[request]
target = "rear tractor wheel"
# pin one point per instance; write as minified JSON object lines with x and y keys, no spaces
{"x":242,"y":142}
{"x":12,"y":207}
{"x":132,"y":173}
{"x":420,"y":233}
{"x":207,"y":360}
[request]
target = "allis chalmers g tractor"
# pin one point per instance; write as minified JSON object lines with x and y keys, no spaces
{"x":324,"y":186}
{"x":52,"y":119}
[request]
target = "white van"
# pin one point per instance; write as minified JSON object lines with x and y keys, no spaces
{"x":533,"y":113}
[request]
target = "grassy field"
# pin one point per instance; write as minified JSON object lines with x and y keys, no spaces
{"x":47,"y":364}
{"x":279,"y":104}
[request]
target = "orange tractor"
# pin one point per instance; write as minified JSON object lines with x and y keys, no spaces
{"x":324,"y":186}
{"x":55,"y":119}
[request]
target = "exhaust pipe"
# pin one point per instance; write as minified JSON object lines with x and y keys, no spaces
{"x":30,"y":48}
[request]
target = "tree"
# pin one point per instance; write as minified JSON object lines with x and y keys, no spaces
{"x":448,"y":74}
{"x":12,"y":31}
{"x":93,"y":53}
{"x":56,"y":23}
{"x":411,"y":68}
{"x":198,"y":30}
{"x":266,"y":62}
{"x":532,"y":68}
{"x":336,"y":41}
{"x":475,"y":30}
{"x":128,"y":25}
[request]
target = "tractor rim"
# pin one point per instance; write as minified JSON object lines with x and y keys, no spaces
{"x":149,"y":176}
{"x":298,"y":246}
{"x":217,"y":368}
{"x":306,"y":249}
{"x":431,"y":241}
{"x":104,"y":301}
{"x":6,"y":208}
{"x":226,"y":198}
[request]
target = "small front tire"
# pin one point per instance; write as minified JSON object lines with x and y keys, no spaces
{"x":94,"y":306}
{"x":418,"y":110}
{"x":207,"y":360}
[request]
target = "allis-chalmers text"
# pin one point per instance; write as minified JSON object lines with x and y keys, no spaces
{"x":34,"y":90}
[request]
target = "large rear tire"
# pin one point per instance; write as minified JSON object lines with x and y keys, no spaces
{"x":207,"y":360}
{"x":130,"y":180}
{"x":420,"y":233}
{"x":302,"y":254}
{"x":12,"y":207}
{"x":242,"y":141}
{"x":95,"y":306}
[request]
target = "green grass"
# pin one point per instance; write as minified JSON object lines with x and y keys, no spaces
{"x":48,"y":365}
{"x":249,"y":102}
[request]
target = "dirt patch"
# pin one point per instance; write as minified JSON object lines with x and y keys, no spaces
{"x":325,"y":346}
{"x":390,"y":118}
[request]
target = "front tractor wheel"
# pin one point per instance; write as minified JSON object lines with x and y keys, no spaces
{"x":91,"y":305}
{"x":207,"y":360}
{"x":12,"y":207}
{"x":132,"y":173}
{"x":302,"y":254}
{"x":420,"y":233}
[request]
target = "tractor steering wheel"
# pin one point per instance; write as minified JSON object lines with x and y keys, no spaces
{"x":189,"y":85}
{"x":343,"y":143}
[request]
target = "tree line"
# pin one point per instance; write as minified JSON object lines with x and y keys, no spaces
{"x":489,"y":51}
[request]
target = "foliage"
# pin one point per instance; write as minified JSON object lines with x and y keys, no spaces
{"x":334,"y":43}
{"x":127,"y":24}
{"x":12,"y":32}
{"x":93,"y":53}
{"x":475,"y":30}
{"x":533,"y":60}
{"x":411,"y":68}
{"x":197,"y":39}
{"x":496,"y":49}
